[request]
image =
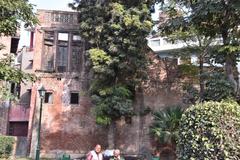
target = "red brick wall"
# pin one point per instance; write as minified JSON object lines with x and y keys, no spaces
{"x":72,"y":128}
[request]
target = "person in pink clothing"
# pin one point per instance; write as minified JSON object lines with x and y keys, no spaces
{"x":95,"y":154}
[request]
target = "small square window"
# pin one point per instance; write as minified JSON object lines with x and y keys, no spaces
{"x":49,"y":35}
{"x":48,"y":97}
{"x":74,"y":98}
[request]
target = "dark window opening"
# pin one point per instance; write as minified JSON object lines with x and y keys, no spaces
{"x":48,"y":98}
{"x":13,"y":88}
{"x":62,"y":59}
{"x":31,"y":40}
{"x":18,"y":129}
{"x":14,"y":45}
{"x":74,"y":98}
{"x":48,"y":57}
{"x":76,"y":57}
{"x":18,"y":90}
{"x":49,"y":35}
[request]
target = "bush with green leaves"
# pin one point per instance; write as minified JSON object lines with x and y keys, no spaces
{"x":6,"y":146}
{"x":210,"y":130}
{"x":112,"y":103}
{"x":218,"y":87}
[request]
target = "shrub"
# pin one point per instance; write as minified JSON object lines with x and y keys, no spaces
{"x":112,"y":103}
{"x":166,"y":124}
{"x":218,"y":87}
{"x":6,"y":146}
{"x":210,"y":130}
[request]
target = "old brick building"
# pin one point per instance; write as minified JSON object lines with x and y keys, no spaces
{"x":58,"y":58}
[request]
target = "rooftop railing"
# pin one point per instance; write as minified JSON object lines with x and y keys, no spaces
{"x":63,"y":17}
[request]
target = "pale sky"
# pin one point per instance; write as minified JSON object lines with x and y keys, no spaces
{"x":52,"y":4}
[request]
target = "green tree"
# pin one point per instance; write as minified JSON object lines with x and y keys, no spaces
{"x":12,"y":13}
{"x":211,"y":19}
{"x":218,"y":87}
{"x":6,"y":146}
{"x":165,"y":126}
{"x":195,"y":44}
{"x":210,"y":131}
{"x":116,"y":31}
{"x":12,"y":75}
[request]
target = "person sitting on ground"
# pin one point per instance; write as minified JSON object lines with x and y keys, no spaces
{"x":95,"y":154}
{"x":156,"y":155}
{"x":117,"y":155}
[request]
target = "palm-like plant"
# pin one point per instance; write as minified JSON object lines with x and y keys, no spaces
{"x":166,"y":124}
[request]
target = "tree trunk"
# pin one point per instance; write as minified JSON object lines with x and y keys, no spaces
{"x":229,"y":61}
{"x":201,"y":80}
{"x":111,"y":135}
{"x":229,"y":64}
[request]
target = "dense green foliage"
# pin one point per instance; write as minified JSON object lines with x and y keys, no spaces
{"x":165,"y":125}
{"x":113,"y":102}
{"x":8,"y":73}
{"x":210,"y":131}
{"x":6,"y":146}
{"x":218,"y":88}
{"x":12,"y":75}
{"x":116,"y":31}
{"x":216,"y":85}
{"x":200,"y":24}
{"x":188,"y":70}
{"x":12,"y":13}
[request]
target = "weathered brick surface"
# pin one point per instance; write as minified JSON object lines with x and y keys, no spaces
{"x":66,"y":127}
{"x":19,"y":113}
{"x":72,"y":128}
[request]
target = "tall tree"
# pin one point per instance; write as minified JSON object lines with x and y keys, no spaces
{"x":13,"y":13}
{"x":116,"y":31}
{"x":195,"y":44}
{"x":219,"y":18}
